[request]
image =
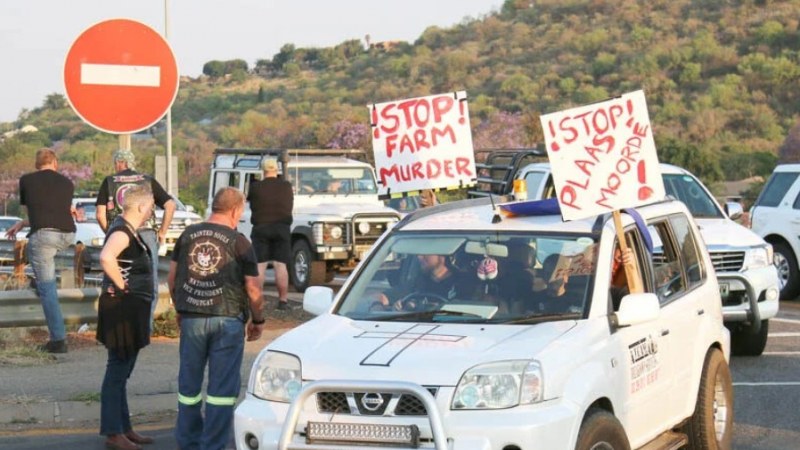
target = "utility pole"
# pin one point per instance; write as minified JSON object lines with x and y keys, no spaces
{"x":169,"y":111}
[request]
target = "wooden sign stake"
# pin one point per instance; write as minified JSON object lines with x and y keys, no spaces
{"x":634,"y":282}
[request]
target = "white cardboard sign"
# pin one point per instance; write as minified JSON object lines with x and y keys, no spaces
{"x":603,"y":156}
{"x":422,"y":143}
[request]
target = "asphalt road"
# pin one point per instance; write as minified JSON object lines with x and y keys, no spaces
{"x":766,"y":401}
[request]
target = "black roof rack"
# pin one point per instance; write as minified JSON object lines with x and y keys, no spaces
{"x":497,"y":168}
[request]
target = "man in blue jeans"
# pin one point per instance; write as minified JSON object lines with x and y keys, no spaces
{"x":47,"y":195}
{"x":109,"y":205}
{"x":214,"y":282}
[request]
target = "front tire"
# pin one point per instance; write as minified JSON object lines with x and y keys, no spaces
{"x":788,"y":273}
{"x":711,"y":426}
{"x":746,"y":343}
{"x":305,"y":271}
{"x":600,"y":430}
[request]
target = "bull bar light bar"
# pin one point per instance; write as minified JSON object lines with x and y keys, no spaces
{"x":362,"y":433}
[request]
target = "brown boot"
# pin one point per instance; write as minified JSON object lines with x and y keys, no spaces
{"x":137,"y":438}
{"x":120,"y":442}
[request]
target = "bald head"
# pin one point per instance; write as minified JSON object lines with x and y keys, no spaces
{"x":226,"y":200}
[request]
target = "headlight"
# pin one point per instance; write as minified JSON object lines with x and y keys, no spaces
{"x":758,"y":257}
{"x":276,"y":377}
{"x":499,"y":385}
{"x":187,"y":222}
{"x":327,"y":233}
{"x":363,"y":227}
{"x":98,"y":241}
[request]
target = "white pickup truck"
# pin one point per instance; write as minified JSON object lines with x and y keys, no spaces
{"x":748,"y":280}
{"x":510,"y":357}
{"x":331,"y":230}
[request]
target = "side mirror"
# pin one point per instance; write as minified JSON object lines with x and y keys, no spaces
{"x":189,"y":208}
{"x":638,"y":308}
{"x":317,"y":300}
{"x":734,"y":210}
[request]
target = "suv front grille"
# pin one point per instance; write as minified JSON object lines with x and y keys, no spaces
{"x":727,"y":261}
{"x":340,"y":403}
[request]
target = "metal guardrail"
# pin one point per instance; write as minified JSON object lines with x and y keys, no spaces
{"x":22,"y":308}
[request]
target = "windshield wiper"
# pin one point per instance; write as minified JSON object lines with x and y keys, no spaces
{"x":537,"y":318}
{"x":426,"y":315}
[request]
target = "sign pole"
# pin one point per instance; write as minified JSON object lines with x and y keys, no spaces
{"x":124,"y":141}
{"x":631,"y":274}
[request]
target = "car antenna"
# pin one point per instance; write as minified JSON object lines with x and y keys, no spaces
{"x":496,"y":218}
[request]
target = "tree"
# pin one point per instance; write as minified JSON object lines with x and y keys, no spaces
{"x":214,"y":69}
{"x":54,"y":102}
{"x":789,"y":151}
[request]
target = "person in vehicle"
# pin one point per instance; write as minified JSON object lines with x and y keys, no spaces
{"x":437,"y":281}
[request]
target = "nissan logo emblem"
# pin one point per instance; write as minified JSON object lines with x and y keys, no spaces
{"x":372,"y":401}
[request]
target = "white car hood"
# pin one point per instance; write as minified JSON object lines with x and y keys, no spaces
{"x":341,"y":207}
{"x":335,"y":347}
{"x":726,"y":233}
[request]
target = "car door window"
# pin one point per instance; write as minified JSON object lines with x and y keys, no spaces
{"x":687,"y":247}
{"x":669,"y":280}
{"x":776,"y":189}
{"x":533,"y":181}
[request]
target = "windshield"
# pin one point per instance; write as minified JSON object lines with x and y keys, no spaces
{"x":474,"y":278}
{"x":332,"y":181}
{"x":693,"y":194}
{"x":87,"y":211}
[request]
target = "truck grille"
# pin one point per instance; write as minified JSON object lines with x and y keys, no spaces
{"x":340,"y":403}
{"x":727,"y":261}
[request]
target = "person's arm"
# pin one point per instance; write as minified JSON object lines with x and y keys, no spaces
{"x":169,"y":211}
{"x":254,"y":287}
{"x":115,"y":244}
{"x":101,"y":205}
{"x":11,"y":233}
{"x":101,"y":217}
{"x":173,"y":269}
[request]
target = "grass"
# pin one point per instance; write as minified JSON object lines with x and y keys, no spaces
{"x":14,"y":351}
{"x":87,"y":397}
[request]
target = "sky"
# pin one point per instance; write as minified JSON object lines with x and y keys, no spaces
{"x":35,"y":35}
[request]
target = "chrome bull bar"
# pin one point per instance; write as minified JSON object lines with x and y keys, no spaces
{"x":392,"y":387}
{"x":753,"y":315}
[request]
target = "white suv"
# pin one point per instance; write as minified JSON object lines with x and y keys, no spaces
{"x":775,"y":216}
{"x":510,"y":357}
{"x":748,"y":280}
{"x":331,"y":230}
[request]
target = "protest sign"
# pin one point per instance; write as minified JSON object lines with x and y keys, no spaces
{"x":422,"y":143}
{"x":603,"y":156}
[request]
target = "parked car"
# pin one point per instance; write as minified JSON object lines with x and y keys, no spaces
{"x":496,"y":367}
{"x":748,"y":281}
{"x":775,"y":216}
{"x":87,"y":229}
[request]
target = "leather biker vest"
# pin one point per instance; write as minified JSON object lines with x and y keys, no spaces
{"x":209,"y":279}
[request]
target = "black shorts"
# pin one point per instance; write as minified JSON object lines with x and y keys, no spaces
{"x":272,"y":242}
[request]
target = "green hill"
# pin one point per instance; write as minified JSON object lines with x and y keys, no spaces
{"x":722,"y":80}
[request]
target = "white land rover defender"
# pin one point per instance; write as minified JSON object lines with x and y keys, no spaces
{"x":333,"y":228}
{"x":531,"y":347}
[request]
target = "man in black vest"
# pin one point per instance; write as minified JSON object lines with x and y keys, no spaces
{"x":214,"y":282}
{"x":109,"y":206}
{"x":47,"y":195}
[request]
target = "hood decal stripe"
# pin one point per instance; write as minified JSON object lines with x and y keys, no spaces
{"x":394,"y":343}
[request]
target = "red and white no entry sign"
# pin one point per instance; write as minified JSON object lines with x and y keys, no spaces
{"x":120,"y":76}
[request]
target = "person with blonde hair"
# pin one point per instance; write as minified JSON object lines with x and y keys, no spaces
{"x":217,"y":290}
{"x":123,"y":316}
{"x":47,"y":196}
